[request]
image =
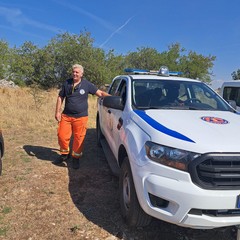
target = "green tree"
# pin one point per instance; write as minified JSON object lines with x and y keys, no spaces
{"x":69,"y":49}
{"x":24,"y":64}
{"x":143,"y":58}
{"x":175,"y":58}
{"x":236,"y":75}
{"x":172,"y":57}
{"x":49,"y":66}
{"x":197,"y":66}
{"x":114,"y":65}
{"x":5,"y":60}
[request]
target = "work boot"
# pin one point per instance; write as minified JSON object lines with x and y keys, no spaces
{"x":62,"y":157}
{"x":75,"y":163}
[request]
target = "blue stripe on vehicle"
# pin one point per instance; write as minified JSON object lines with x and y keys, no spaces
{"x":160,"y":127}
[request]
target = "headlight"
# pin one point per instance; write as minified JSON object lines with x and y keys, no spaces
{"x":171,"y":157}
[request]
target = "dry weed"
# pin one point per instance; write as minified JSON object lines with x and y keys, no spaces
{"x":32,"y":109}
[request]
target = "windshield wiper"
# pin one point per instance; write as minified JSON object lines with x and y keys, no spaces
{"x":169,"y":107}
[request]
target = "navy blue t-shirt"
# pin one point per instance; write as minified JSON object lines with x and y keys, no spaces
{"x":76,"y":99}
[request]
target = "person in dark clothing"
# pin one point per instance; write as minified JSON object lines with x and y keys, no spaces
{"x":172,"y":95}
{"x":73,"y":120}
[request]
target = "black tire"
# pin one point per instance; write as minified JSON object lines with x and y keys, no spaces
{"x":130,"y":207}
{"x":0,"y":162}
{"x":100,"y":136}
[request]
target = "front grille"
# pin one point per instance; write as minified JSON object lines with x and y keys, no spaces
{"x":216,"y":171}
{"x":216,"y":213}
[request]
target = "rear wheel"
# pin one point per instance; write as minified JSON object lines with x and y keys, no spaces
{"x":130,"y":207}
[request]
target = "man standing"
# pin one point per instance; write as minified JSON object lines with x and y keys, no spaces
{"x":73,"y":120}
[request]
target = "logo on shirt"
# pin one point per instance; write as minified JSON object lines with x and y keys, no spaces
{"x":81,"y":91}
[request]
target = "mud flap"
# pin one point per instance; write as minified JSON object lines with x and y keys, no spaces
{"x":112,"y":161}
{"x":238,"y":232}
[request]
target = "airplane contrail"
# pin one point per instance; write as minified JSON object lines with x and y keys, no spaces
{"x":116,"y":31}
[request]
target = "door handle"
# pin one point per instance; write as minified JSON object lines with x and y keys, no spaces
{"x":120,"y":123}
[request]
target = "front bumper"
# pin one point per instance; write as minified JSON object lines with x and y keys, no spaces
{"x":169,"y":194}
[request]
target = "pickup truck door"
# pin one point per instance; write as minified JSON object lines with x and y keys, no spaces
{"x":115,"y":121}
{"x":105,"y":112}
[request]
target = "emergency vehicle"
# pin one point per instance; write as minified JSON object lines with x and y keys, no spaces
{"x":173,"y":142}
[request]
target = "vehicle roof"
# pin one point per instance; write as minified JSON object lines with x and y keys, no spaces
{"x":233,"y":83}
{"x":156,"y":77}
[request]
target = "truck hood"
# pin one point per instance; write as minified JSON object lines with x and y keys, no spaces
{"x":197,"y":131}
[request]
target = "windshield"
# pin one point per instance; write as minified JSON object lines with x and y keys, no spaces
{"x":173,"y":94}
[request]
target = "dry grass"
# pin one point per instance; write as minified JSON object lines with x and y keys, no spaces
{"x":40,"y":201}
{"x":32,"y":109}
{"x":19,"y":109}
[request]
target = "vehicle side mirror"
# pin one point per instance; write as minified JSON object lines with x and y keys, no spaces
{"x":113,"y":102}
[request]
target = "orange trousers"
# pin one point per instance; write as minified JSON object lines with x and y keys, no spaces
{"x":68,"y":127}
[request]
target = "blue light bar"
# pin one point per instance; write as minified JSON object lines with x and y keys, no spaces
{"x":174,"y":73}
{"x":135,"y":70}
{"x":163,"y":71}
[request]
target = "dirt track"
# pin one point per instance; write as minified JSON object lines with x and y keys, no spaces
{"x":42,"y":201}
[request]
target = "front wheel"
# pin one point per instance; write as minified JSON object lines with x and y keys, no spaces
{"x":130,"y":207}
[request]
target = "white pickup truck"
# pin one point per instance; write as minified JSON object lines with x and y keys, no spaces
{"x":230,"y":91}
{"x":174,"y":143}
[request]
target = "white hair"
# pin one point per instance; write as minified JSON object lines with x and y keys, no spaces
{"x":78,"y":66}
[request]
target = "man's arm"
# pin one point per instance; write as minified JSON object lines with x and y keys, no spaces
{"x":101,"y":93}
{"x":58,"y":108}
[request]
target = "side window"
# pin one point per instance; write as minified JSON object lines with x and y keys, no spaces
{"x":232,"y":93}
{"x":123,"y":91}
{"x":238,"y":97}
{"x":226,"y":93}
{"x":114,"y":87}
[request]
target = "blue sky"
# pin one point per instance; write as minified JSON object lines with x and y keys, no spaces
{"x":208,"y":27}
